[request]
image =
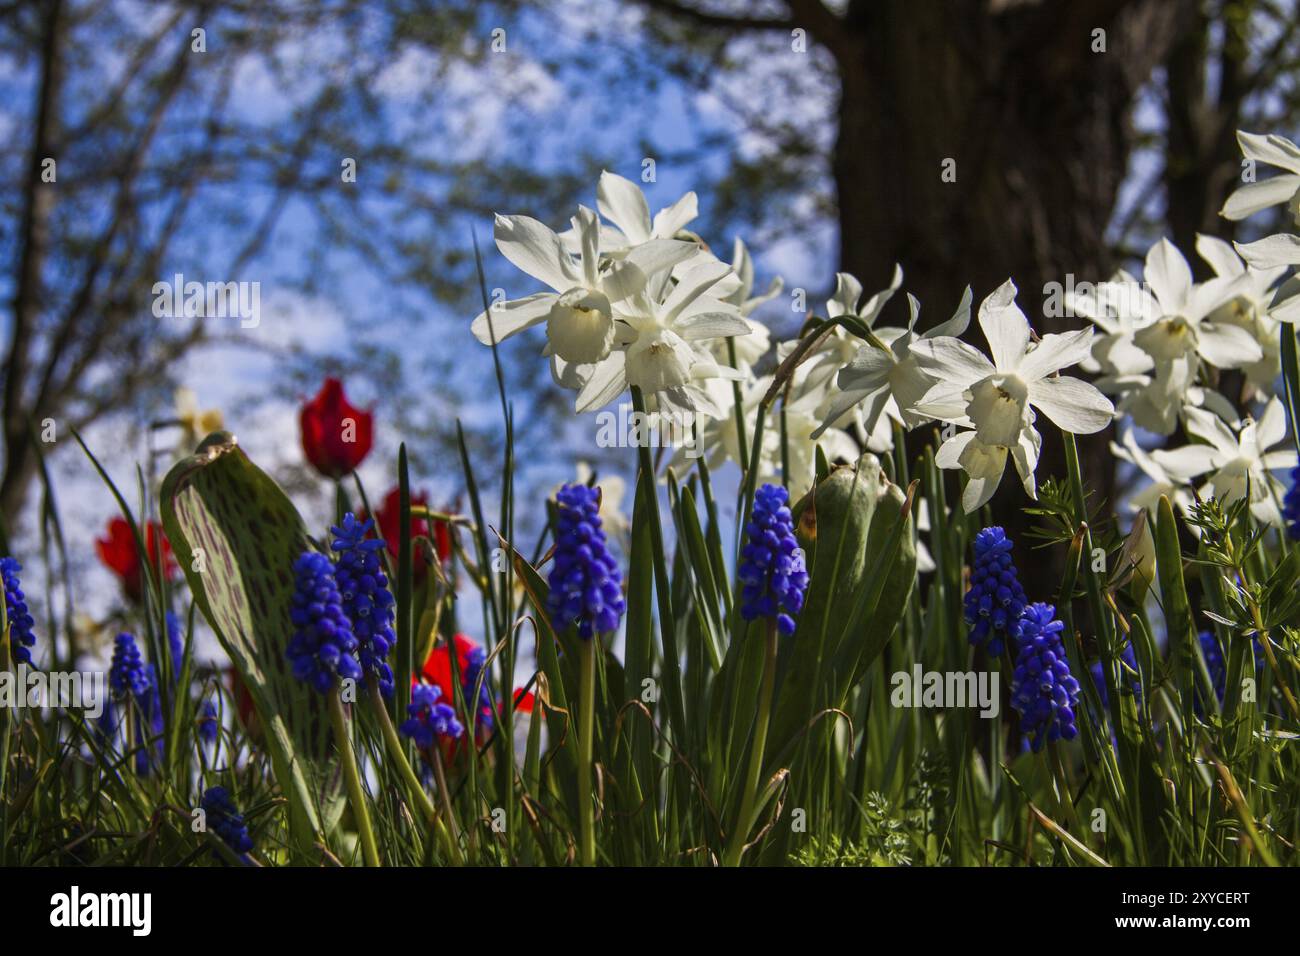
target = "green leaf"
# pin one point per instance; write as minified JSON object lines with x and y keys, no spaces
{"x":236,"y":536}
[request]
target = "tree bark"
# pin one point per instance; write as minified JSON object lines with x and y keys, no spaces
{"x":29,"y":288}
{"x":1035,"y":126}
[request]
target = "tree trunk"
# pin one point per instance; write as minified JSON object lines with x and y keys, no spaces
{"x":1034,"y":126}
{"x":29,"y":287}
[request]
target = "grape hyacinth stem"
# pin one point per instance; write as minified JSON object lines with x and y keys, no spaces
{"x":398,"y":753}
{"x":586,"y":725}
{"x":440,"y":776}
{"x":352,"y":778}
{"x":736,"y":846}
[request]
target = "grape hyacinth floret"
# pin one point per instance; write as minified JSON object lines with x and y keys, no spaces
{"x":127,"y":677}
{"x":996,"y":601}
{"x":323,"y":648}
{"x":209,"y":723}
{"x":367,"y":600}
{"x":772,"y":569}
{"x":474,"y":666}
{"x":1099,"y":675}
{"x":1217,"y":665}
{"x":429,"y":718}
{"x":175,"y":644}
{"x":21,"y":636}
{"x":585,"y":582}
{"x":1043,"y":691}
{"x":1291,"y":506}
{"x":224,"y":819}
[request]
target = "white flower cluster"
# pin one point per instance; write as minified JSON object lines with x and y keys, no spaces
{"x":637,"y":301}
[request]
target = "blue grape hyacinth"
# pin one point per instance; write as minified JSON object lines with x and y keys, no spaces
{"x":996,"y":601}
{"x":585,"y":582}
{"x":209,"y":723}
{"x":1217,"y":664}
{"x":1099,"y":675}
{"x":1291,"y":506}
{"x":175,"y":644}
{"x":128,"y":677}
{"x":772,"y":569}
{"x":323,"y":648}
{"x":367,"y":600}
{"x":225,"y":820}
{"x":474,"y":667}
{"x":1043,"y":691}
{"x":21,"y":636}
{"x":429,"y":718}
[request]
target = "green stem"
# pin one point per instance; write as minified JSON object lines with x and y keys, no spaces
{"x":586,"y":723}
{"x":398,"y":754}
{"x":352,"y":777}
{"x":736,"y":846}
{"x":440,"y":777}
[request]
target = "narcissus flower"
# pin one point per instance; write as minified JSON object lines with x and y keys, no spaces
{"x":1282,"y":249}
{"x":878,"y":381}
{"x":336,"y":435}
{"x":117,"y":551}
{"x":585,"y":581}
{"x":1043,"y":691}
{"x":367,"y":600}
{"x":997,"y":399}
{"x":660,"y":343}
{"x":579,"y":313}
{"x":1235,"y":462}
{"x":995,"y":603}
{"x":196,"y":423}
{"x":225,"y":820}
{"x":323,"y":648}
{"x":772,"y":569}
{"x":21,"y":635}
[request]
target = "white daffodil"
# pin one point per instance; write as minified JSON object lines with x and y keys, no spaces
{"x":997,"y":399}
{"x":752,"y":347}
{"x":1251,"y":308}
{"x":1161,"y":482}
{"x":579,"y":313}
{"x":1183,"y":328}
{"x":1253,"y":197}
{"x":1246,"y":200}
{"x":622,"y":203}
{"x":1178,"y":326}
{"x":196,"y":423}
{"x":890,"y":382}
{"x":1119,"y":308}
{"x":838,"y":347}
{"x":1235,"y":462}
{"x":924,"y":560}
{"x":656,"y":346}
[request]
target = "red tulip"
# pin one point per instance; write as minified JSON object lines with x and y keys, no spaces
{"x":336,"y":436}
{"x":118,"y":553}
{"x":437,"y":668}
{"x":389,"y":520}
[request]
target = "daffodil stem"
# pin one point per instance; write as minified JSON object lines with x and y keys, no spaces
{"x":586,"y":725}
{"x":736,"y":844}
{"x":352,"y":778}
{"x":398,"y":753}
